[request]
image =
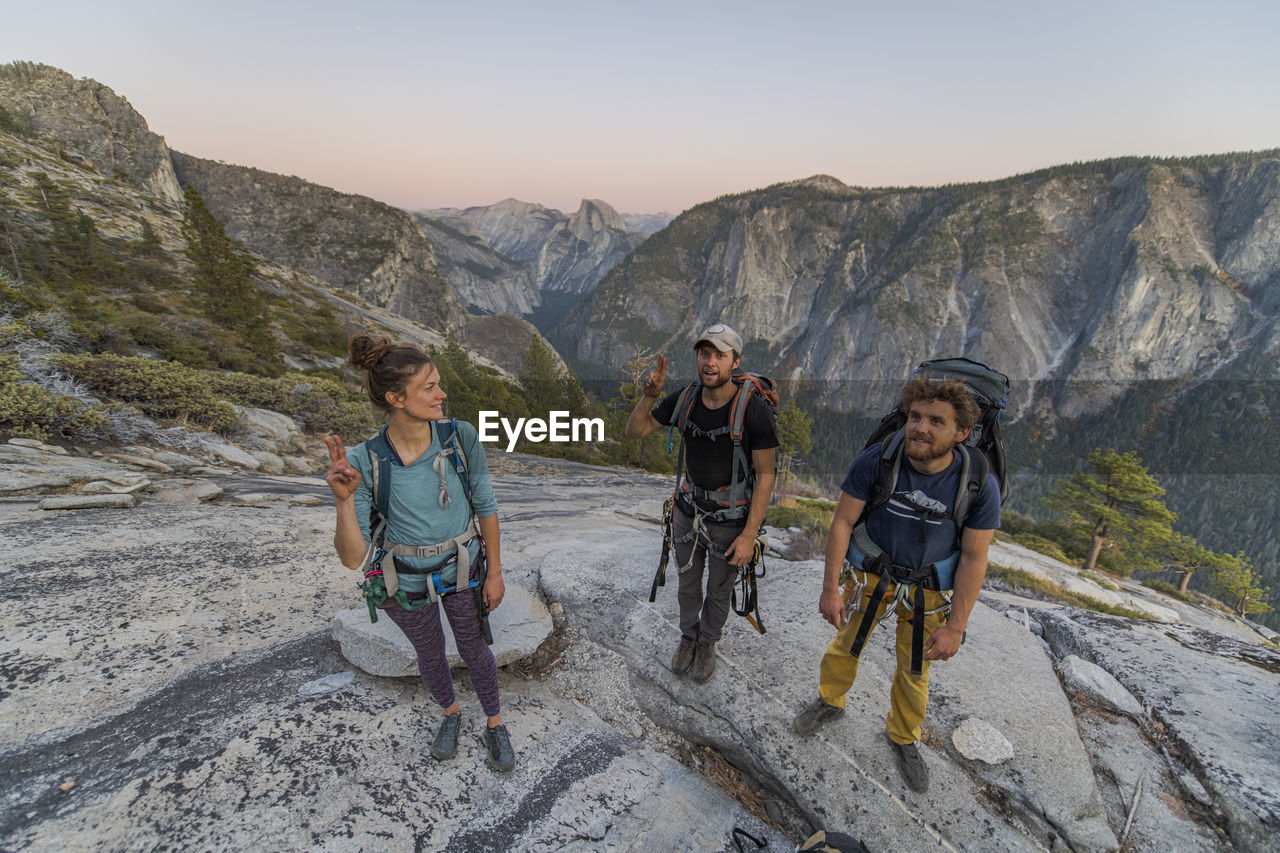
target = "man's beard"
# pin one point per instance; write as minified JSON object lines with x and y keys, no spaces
{"x":935,"y":450}
{"x":723,"y":379}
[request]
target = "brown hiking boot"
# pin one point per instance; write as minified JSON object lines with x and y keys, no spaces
{"x":813,"y":715}
{"x":683,"y":658}
{"x":911,"y":764}
{"x":704,"y":663}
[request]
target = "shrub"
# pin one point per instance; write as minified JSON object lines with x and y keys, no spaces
{"x":29,"y":411}
{"x":162,"y":389}
{"x":810,"y":515}
{"x":319,"y":404}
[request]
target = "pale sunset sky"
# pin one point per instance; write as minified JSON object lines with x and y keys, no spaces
{"x":656,"y":106}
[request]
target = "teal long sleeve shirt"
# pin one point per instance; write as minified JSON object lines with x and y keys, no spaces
{"x":415,"y":515}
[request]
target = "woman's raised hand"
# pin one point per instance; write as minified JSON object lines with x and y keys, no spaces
{"x":341,"y":477}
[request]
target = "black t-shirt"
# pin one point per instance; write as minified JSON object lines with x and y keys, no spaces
{"x":710,"y":461}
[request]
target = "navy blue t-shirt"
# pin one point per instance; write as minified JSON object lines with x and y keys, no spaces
{"x":895,"y":525}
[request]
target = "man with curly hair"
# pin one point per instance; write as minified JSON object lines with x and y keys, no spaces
{"x":901,"y":547}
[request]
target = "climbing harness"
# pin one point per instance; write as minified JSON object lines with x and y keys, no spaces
{"x":382,"y":565}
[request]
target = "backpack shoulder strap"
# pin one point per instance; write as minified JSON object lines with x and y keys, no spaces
{"x":738,"y":418}
{"x":684,"y":405}
{"x":889,"y":463}
{"x":380,"y":452}
{"x":447,"y":435}
{"x":974,"y":471}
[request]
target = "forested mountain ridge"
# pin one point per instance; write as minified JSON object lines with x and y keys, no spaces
{"x":1108,"y":272}
{"x":1133,"y":302}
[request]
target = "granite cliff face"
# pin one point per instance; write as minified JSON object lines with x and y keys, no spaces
{"x":527,"y":259}
{"x":369,"y":248}
{"x":1111,"y":272}
{"x":483,"y":279}
{"x":92,"y":122}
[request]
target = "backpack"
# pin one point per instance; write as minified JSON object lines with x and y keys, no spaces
{"x":376,"y":588}
{"x":981,"y":455}
{"x":734,"y":498}
{"x":990,"y":390}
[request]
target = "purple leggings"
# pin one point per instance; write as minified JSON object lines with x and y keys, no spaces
{"x":424,"y":631}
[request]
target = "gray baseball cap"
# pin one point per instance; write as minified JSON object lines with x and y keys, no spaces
{"x":721,"y":337}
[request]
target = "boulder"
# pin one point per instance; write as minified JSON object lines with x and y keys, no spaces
{"x":232,"y":454}
{"x":1098,"y":686}
{"x":262,"y":429}
{"x":32,"y":444}
{"x":176,"y":461}
{"x":519,"y":626}
{"x":142,"y":462}
{"x":268,"y":462}
{"x":978,"y":740}
{"x":189,"y":491}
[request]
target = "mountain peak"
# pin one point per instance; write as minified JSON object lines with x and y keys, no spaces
{"x":821,"y":182}
{"x":594,"y":215}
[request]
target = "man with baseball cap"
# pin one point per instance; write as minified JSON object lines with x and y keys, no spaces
{"x":722,"y":496}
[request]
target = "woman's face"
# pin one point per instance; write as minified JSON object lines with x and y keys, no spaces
{"x":423,"y":398}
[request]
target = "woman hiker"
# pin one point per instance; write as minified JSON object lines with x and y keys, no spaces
{"x":428,"y":508}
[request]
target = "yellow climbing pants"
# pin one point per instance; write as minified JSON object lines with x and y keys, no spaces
{"x":910,"y":693}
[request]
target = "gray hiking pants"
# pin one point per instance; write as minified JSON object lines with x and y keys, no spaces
{"x":702,"y":617}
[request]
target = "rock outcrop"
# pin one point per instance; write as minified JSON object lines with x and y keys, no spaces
{"x":93,"y":123}
{"x":202,"y":702}
{"x":484,"y":280}
{"x":371,"y":249}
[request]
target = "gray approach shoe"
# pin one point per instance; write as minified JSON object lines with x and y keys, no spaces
{"x":445,"y":746}
{"x":813,"y":715}
{"x":912,"y":765}
{"x":497,"y":749}
{"x":683,"y":658}
{"x":704,"y":663}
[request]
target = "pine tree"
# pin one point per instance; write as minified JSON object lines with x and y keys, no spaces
{"x":547,"y":385}
{"x":224,"y":280}
{"x":794,"y":436}
{"x":1239,"y":585}
{"x":1186,"y":556}
{"x":1118,"y":503}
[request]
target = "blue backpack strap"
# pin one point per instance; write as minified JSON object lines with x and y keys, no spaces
{"x":380,"y":453}
{"x":447,"y":435}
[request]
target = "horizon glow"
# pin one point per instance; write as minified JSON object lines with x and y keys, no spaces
{"x":425,"y":105}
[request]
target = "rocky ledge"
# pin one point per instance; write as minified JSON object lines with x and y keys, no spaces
{"x":171,"y":679}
